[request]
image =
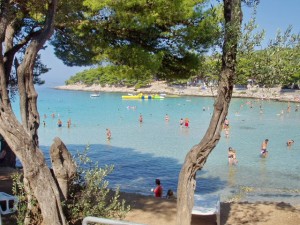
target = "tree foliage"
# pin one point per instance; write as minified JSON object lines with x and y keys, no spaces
{"x":161,"y":39}
{"x":270,"y":66}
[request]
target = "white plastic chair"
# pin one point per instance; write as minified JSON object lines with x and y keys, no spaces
{"x":207,"y":205}
{"x":6,"y":201}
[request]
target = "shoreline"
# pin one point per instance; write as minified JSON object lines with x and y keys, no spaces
{"x":160,"y":87}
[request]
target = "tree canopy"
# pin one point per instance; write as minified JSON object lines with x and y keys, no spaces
{"x":182,"y":56}
{"x":157,"y":39}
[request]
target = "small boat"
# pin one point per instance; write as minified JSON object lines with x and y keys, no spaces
{"x":95,"y":95}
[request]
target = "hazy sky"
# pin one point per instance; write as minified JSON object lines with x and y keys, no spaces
{"x":271,"y":16}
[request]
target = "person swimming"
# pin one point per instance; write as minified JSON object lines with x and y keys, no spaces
{"x":290,"y":142}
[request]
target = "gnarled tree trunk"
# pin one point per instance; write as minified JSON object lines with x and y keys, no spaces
{"x":23,"y":138}
{"x":198,"y":155}
{"x":63,"y":166}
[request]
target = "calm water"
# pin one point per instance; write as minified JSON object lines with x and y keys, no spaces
{"x":156,"y":148}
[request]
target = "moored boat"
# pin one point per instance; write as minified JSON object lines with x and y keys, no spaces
{"x":94,"y":95}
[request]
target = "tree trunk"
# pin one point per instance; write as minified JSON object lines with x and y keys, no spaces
{"x":63,"y":166}
{"x":23,"y":138}
{"x":197,"y":156}
{"x":36,"y":172}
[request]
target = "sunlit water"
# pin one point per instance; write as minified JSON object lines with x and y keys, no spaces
{"x":156,"y":148}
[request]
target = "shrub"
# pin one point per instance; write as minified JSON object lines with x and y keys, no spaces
{"x":18,"y":190}
{"x":89,"y":195}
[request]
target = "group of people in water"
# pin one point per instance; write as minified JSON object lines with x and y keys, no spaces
{"x":182,"y":122}
{"x":59,"y":121}
{"x":232,"y":159}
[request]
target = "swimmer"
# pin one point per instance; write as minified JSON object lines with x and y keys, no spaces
{"x":186,"y":122}
{"x":264,"y":146}
{"x":232,"y":156}
{"x":167,"y":118}
{"x":59,"y":123}
{"x":290,"y":142}
{"x":141,"y":118}
{"x":69,"y":122}
{"x":226,"y":132}
{"x":108,"y":134}
{"x":181,"y":122}
{"x":226,"y":123}
{"x":289,"y":107}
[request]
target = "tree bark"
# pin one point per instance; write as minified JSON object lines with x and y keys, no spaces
{"x":63,"y":166}
{"x":23,"y":138}
{"x":197,"y":156}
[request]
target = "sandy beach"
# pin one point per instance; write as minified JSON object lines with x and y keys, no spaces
{"x":162,"y":87}
{"x":153,"y":211}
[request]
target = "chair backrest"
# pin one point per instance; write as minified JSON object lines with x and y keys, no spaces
{"x":8,"y":203}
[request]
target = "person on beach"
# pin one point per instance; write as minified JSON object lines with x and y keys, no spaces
{"x":141,"y":118}
{"x":59,"y":123}
{"x":289,"y":143}
{"x":232,"y":156}
{"x":264,"y":146}
{"x":108,"y":134}
{"x":158,"y":191}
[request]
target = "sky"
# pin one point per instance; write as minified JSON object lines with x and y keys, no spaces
{"x":271,"y":16}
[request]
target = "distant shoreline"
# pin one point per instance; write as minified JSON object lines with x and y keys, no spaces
{"x":159,"y":87}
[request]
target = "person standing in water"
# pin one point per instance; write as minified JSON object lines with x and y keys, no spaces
{"x":158,"y":191}
{"x":226,"y":123}
{"x":69,"y":123}
{"x":108,"y":134}
{"x":232,"y":156}
{"x":167,"y":118}
{"x":187,"y":122}
{"x":59,"y":123}
{"x":141,"y":118}
{"x":264,"y":145}
{"x":181,"y":122}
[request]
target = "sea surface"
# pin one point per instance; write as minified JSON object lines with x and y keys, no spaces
{"x":142,"y":152}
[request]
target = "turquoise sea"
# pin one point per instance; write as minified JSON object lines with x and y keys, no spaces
{"x":156,"y":148}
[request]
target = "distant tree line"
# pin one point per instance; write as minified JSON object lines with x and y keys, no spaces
{"x":276,"y":64}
